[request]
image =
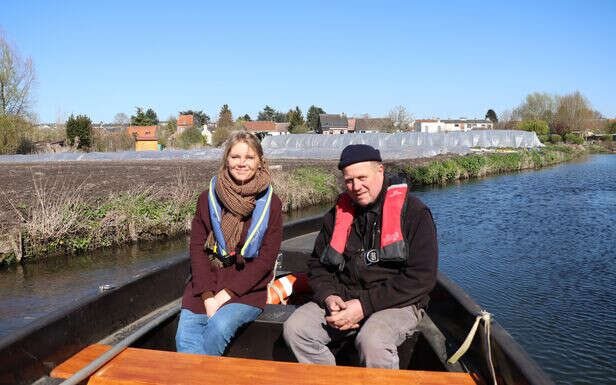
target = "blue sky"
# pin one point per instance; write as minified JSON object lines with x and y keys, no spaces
{"x":447,"y":59}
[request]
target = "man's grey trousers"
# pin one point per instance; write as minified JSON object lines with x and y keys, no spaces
{"x":307,"y":334}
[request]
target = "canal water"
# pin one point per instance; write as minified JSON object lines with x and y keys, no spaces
{"x":537,"y":249}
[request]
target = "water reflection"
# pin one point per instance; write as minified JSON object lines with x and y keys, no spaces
{"x":31,"y":291}
{"x":538,"y":249}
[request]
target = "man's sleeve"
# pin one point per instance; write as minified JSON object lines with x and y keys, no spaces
{"x":322,"y":279}
{"x":418,"y":278}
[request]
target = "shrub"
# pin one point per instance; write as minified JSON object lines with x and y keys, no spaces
{"x":47,"y":134}
{"x":574,"y":138}
{"x":473,"y":165}
{"x":13,"y":131}
{"x":190,"y":137}
{"x":505,"y":162}
{"x":540,"y":127}
{"x":606,"y":138}
{"x":435,"y":172}
{"x":611,"y":128}
{"x":555,"y":138}
{"x":26,"y":146}
{"x":544,"y":138}
{"x":105,"y":141}
{"x":220,"y":135}
{"x":81,"y":127}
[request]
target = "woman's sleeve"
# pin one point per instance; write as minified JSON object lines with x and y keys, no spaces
{"x":203,"y":278}
{"x":254,"y":271}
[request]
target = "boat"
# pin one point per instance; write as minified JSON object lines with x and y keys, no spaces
{"x":126,"y":335}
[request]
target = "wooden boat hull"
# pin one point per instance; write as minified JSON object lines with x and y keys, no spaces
{"x":33,"y":353}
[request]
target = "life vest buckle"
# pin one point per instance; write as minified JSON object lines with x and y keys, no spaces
{"x":226,"y":260}
{"x":371,"y":256}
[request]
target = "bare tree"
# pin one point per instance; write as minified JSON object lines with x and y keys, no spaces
{"x":573,"y":111}
{"x":537,"y":106}
{"x":16,"y":81}
{"x":506,"y":121}
{"x":400,"y":118}
{"x":121,"y":119}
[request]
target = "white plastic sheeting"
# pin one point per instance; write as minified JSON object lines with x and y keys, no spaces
{"x":211,"y":153}
{"x":404,"y":145}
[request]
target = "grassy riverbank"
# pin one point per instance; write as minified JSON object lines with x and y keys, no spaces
{"x":64,"y":219}
{"x":479,"y":165}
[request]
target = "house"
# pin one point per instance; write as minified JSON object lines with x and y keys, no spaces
{"x":363,"y":125}
{"x":351,"y":124}
{"x":263,"y":127}
{"x":467,"y":124}
{"x":145,"y":137}
{"x":332,"y":124}
{"x":184,"y":122}
{"x":428,"y":125}
{"x":450,"y":125}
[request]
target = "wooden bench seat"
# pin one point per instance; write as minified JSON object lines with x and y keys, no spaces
{"x":142,"y":366}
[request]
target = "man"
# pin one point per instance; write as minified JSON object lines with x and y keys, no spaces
{"x":373,"y":265}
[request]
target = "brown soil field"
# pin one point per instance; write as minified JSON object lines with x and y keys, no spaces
{"x":102,"y":178}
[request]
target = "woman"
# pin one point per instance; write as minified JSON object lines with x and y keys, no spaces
{"x":234,"y":241}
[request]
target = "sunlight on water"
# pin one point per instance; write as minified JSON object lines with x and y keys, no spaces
{"x":537,"y":249}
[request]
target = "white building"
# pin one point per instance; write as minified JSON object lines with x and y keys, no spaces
{"x":207,"y":134}
{"x":449,"y":125}
{"x":428,"y":125}
{"x":467,"y":124}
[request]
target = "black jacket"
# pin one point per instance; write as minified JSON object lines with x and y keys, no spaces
{"x":381,"y":285}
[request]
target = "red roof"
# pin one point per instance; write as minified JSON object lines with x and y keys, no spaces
{"x":185,"y":120}
{"x":142,"y":132}
{"x":259,"y":126}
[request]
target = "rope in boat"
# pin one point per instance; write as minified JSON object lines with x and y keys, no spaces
{"x":271,"y":285}
{"x":487,"y":320}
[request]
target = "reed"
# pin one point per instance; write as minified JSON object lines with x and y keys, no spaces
{"x":304,"y":187}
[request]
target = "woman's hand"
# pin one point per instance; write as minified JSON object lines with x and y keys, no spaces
{"x":211,"y":306}
{"x":223,"y":296}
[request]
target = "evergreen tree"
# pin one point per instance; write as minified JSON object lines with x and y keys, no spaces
{"x":81,"y":127}
{"x":151,"y":116}
{"x":148,"y":118}
{"x":172,"y":125}
{"x":313,"y":117}
{"x":246,"y":118}
{"x":280,"y":117}
{"x":491,"y":116}
{"x":267,"y":114}
{"x":225,"y":117}
{"x":296,"y":119}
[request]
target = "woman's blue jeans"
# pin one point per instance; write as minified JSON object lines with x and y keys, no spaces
{"x":200,"y":334}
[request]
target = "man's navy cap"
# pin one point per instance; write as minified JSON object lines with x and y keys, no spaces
{"x":355,"y":153}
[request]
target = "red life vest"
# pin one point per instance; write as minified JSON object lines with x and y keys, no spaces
{"x":392,"y":246}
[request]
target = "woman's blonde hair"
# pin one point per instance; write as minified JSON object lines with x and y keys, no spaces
{"x":247,"y":137}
